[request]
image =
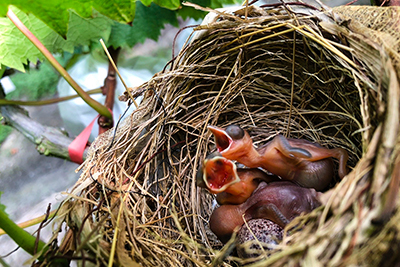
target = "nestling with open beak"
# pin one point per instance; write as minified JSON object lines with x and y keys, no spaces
{"x":231,"y":184}
{"x":279,"y":202}
{"x":217,"y":173}
{"x":300,"y":161}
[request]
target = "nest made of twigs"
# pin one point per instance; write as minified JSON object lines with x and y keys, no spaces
{"x":293,"y":70}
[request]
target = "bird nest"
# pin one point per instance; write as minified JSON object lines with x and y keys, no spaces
{"x":291,"y":70}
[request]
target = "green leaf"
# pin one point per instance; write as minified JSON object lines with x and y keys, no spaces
{"x":190,"y":12}
{"x":119,"y":35}
{"x":4,"y":133}
{"x":36,"y":83}
{"x":55,"y":13}
{"x":16,"y":49}
{"x":82,"y":24}
{"x":146,"y":2}
{"x":148,"y":23}
{"x":170,"y":4}
{"x":221,"y":3}
{"x":81,"y":31}
{"x":119,"y":10}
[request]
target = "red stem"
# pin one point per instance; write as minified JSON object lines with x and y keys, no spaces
{"x":110,"y":83}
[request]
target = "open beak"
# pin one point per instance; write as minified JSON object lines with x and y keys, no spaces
{"x":218,"y":174}
{"x":222,"y":140}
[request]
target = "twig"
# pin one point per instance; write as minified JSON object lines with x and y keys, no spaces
{"x":40,"y":227}
{"x":4,"y":102}
{"x":290,"y":4}
{"x":119,"y":74}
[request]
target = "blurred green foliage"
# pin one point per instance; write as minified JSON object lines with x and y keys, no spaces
{"x":4,"y":132}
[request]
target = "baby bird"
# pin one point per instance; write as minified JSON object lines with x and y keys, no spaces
{"x":216,"y":173}
{"x":300,"y":161}
{"x":279,"y":202}
{"x":231,"y":184}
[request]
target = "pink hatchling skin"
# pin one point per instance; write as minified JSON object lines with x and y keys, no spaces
{"x":279,"y":202}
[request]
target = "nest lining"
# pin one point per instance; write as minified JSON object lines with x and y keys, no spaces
{"x":260,"y":73}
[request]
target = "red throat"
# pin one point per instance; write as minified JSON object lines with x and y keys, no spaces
{"x":219,"y":174}
{"x":222,"y":140}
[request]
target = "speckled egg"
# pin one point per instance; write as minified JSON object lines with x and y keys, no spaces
{"x":265,"y":231}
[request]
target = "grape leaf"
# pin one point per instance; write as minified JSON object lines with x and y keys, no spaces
{"x":16,"y":49}
{"x":190,"y":12}
{"x":147,"y":24}
{"x":81,"y":31}
{"x":170,"y":4}
{"x":55,"y":13}
{"x":4,"y":132}
{"x":83,"y":22}
{"x":146,"y":2}
{"x":221,"y":3}
{"x":38,"y":82}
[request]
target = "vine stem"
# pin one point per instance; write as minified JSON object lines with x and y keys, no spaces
{"x":4,"y":102}
{"x":32,"y":222}
{"x":28,"y":242}
{"x":25,"y":240}
{"x":102,"y":110}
